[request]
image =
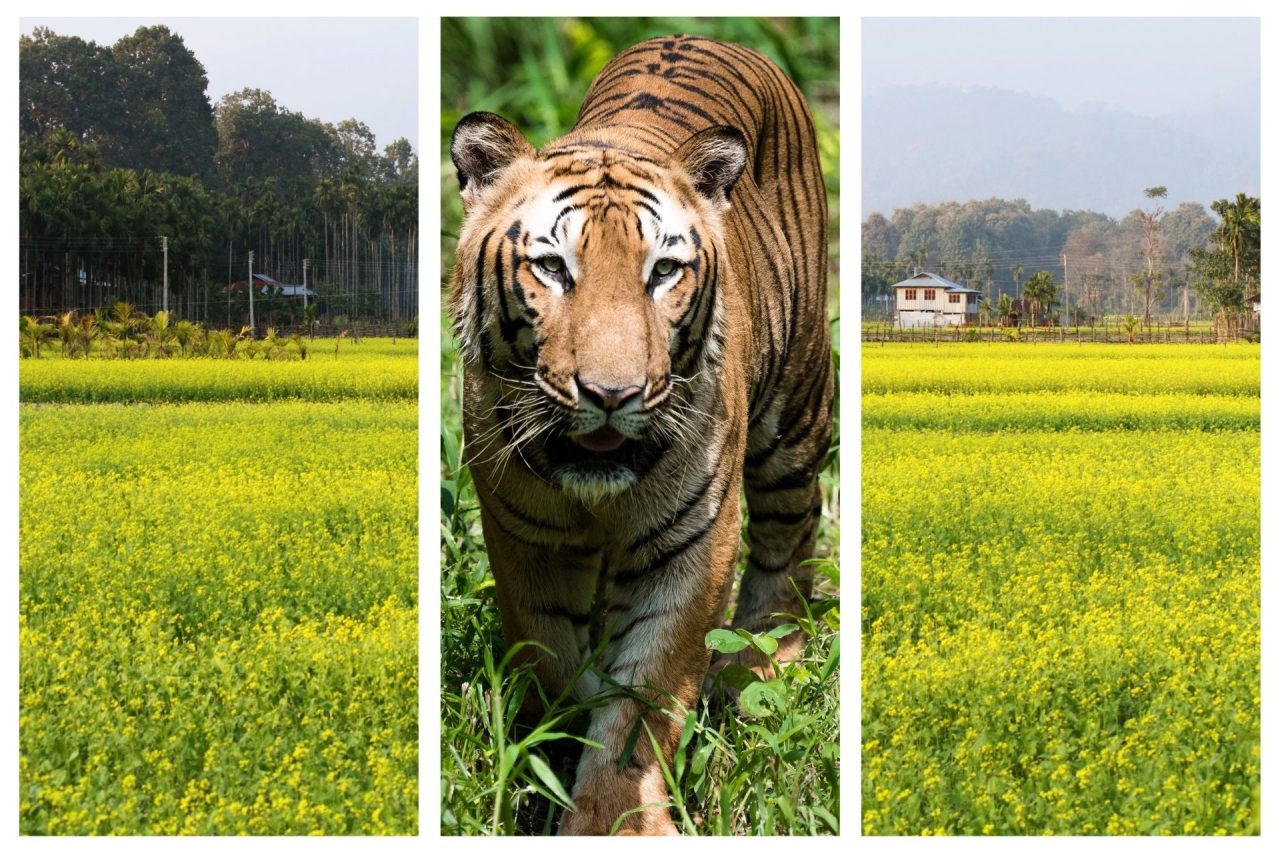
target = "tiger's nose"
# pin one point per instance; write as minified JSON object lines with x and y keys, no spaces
{"x":608,"y":399}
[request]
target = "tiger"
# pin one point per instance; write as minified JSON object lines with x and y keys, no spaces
{"x":641,"y":312}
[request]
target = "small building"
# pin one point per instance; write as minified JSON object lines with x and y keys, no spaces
{"x":265,"y":285}
{"x":928,"y":299}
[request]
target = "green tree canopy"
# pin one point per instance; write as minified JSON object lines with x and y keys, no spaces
{"x":1042,"y":291}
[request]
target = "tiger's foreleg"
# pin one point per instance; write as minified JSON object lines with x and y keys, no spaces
{"x":545,"y":585}
{"x":662,"y":602}
{"x":784,"y":499}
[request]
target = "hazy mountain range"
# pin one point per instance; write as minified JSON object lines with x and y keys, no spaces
{"x":941,"y":143}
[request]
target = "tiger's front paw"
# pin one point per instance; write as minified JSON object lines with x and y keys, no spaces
{"x":724,"y":688}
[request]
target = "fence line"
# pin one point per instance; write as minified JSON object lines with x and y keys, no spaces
{"x":1245,"y":327}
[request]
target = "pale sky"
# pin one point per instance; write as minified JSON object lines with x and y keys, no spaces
{"x":1149,"y":66}
{"x":325,"y":68}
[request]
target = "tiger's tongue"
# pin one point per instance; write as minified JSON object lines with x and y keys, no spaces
{"x":600,"y":441}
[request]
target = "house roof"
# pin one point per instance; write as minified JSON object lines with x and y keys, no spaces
{"x":262,"y":282}
{"x":929,"y":279}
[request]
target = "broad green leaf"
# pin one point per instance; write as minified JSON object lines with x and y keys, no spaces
{"x":763,"y":698}
{"x":765,"y":643}
{"x":720,"y":640}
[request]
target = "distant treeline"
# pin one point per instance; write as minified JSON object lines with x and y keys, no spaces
{"x":121,"y":147}
{"x":1100,"y":264}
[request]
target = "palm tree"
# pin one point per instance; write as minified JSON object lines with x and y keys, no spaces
{"x":159,"y":336}
{"x":222,"y":344}
{"x":309,"y":317}
{"x":1004,"y":307}
{"x":1042,"y":291}
{"x":1130,"y":324}
{"x":67,"y":328}
{"x":1016,"y":270}
{"x":186,"y":333}
{"x":88,"y":332}
{"x":1241,"y":221}
{"x":32,"y":332}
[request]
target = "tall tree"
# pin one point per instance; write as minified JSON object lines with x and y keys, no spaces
{"x":71,"y":86}
{"x":1240,"y":233}
{"x":1152,"y":251}
{"x":168,"y":119}
{"x":258,"y":139}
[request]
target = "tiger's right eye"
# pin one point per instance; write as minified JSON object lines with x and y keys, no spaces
{"x":552,"y":264}
{"x":664,"y":267}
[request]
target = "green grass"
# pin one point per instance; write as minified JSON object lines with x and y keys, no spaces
{"x":218,"y":602}
{"x":1060,"y":597}
{"x":776,"y":773}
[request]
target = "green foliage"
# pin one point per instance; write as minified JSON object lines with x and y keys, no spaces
{"x":33,"y":333}
{"x":1227,"y":273}
{"x":121,"y":147}
{"x":217,"y":604}
{"x":1060,"y":604}
{"x":1130,"y":324}
{"x":1042,"y":290}
{"x":984,"y":244}
{"x":69,"y":86}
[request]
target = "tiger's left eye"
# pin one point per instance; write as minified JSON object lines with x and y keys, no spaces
{"x":664,"y":267}
{"x":552,"y":264}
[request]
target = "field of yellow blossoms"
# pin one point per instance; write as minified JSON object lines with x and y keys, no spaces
{"x":218,"y":594}
{"x":1060,"y":600}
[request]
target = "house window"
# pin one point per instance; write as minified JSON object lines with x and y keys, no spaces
{"x":930,"y":294}
{"x":911,"y":294}
{"x":954,"y":298}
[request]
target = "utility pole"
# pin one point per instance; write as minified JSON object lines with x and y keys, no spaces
{"x":306,"y":262}
{"x":1066,"y":293}
{"x":164,"y":296}
{"x":252,"y":325}
{"x":229,"y":282}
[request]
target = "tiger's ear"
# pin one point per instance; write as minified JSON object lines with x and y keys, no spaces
{"x":483,"y":145}
{"x":714,"y":159}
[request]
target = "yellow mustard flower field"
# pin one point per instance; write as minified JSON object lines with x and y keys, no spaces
{"x":1060,"y":599}
{"x":218,"y":594}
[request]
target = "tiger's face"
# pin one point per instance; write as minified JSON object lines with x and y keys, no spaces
{"x":586,"y":290}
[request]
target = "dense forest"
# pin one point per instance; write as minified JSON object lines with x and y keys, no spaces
{"x":1187,"y":261}
{"x":124,"y":160}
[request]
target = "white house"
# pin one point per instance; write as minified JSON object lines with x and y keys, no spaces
{"x":928,"y":299}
